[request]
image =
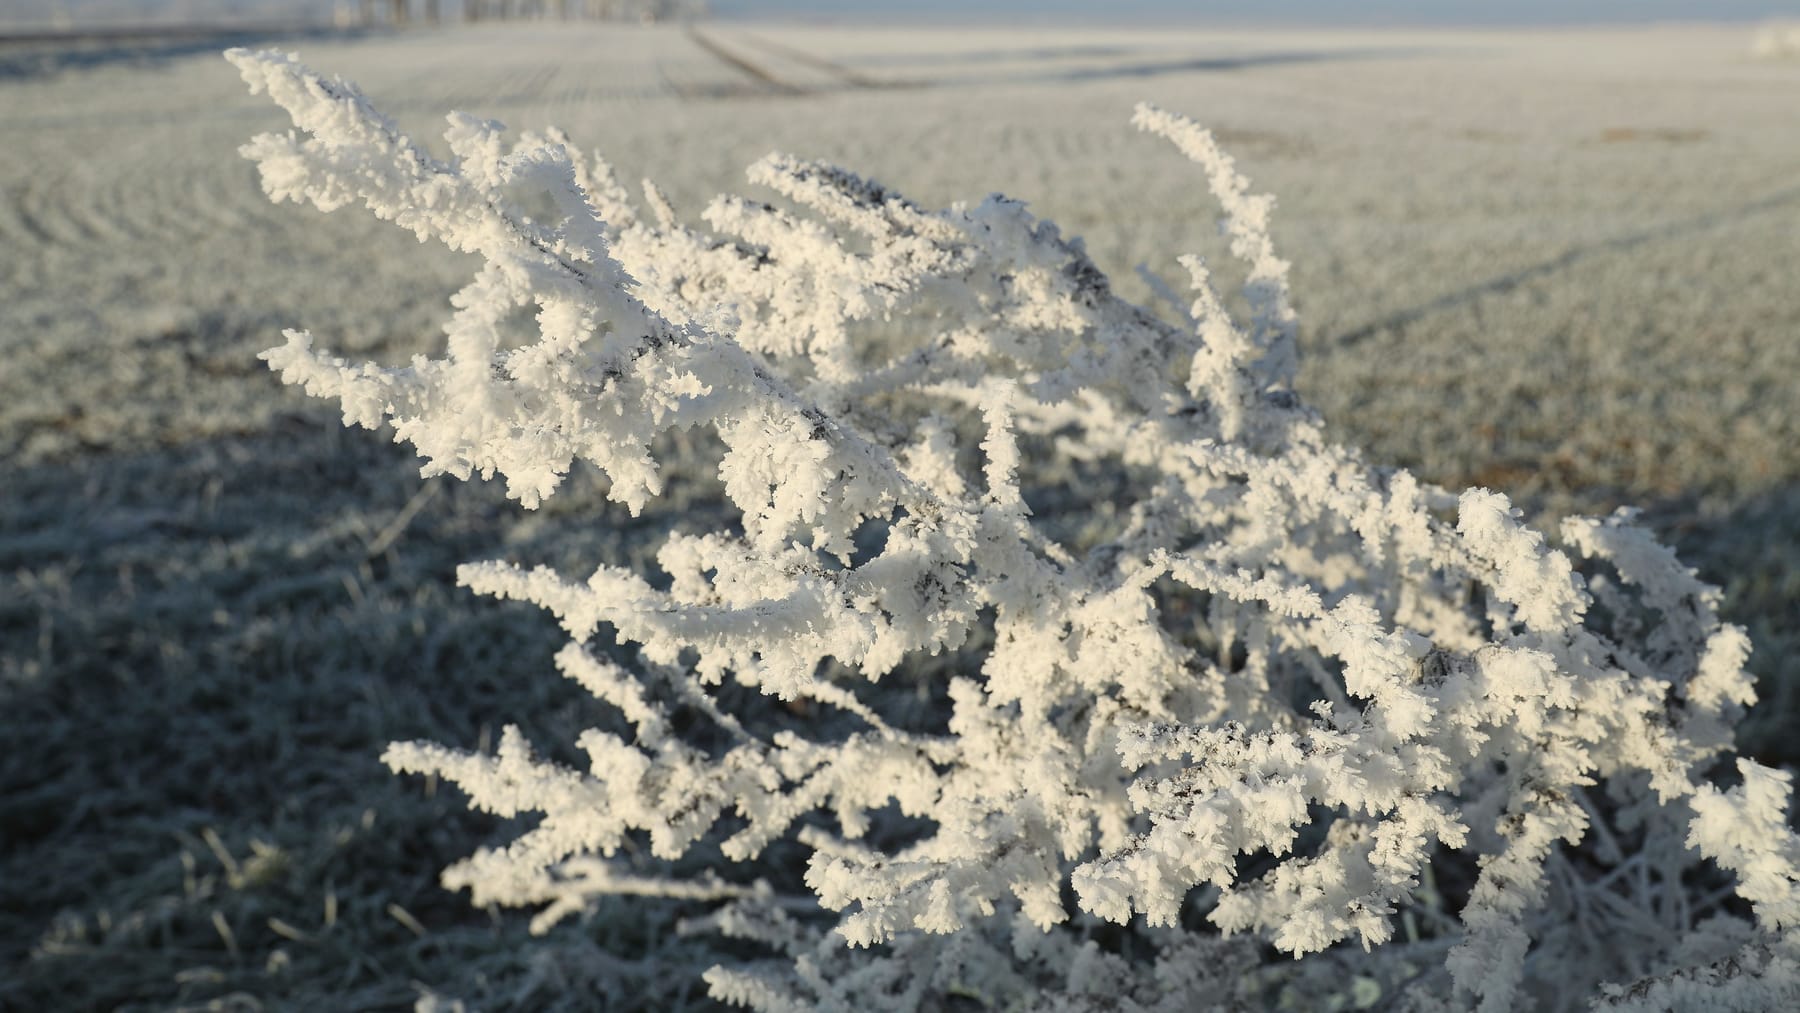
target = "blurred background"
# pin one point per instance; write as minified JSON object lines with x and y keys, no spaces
{"x":88,"y":13}
{"x":1551,"y":251}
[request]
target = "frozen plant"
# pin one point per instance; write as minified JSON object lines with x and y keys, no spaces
{"x":1077,"y":664}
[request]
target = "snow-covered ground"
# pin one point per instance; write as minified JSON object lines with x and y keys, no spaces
{"x":1559,"y":264}
{"x":1563,"y":253}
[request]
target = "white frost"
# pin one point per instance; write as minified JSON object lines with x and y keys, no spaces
{"x":1269,"y":685}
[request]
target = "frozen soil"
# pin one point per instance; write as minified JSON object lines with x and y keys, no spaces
{"x":1559,"y":265}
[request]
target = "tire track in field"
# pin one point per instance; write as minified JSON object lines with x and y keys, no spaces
{"x":85,"y":211}
{"x":47,"y":209}
{"x":21,"y":222}
{"x":829,"y":75}
{"x":846,"y":78}
{"x":126,"y":189}
{"x":765,"y":83}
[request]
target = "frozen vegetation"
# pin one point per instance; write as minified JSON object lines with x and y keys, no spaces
{"x":1554,"y":266}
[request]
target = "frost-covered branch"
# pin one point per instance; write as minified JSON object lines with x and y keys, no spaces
{"x":1182,"y":656}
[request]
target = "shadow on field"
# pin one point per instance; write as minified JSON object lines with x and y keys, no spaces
{"x":759,"y":81}
{"x":203,"y":651}
{"x":1677,"y":229}
{"x":33,"y":55}
{"x":1222,"y":64}
{"x":1028,"y":53}
{"x":1753,"y":553}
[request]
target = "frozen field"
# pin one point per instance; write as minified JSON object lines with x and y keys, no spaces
{"x":1566,"y":266}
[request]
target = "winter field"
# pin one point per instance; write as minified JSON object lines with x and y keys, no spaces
{"x":1561,"y":265}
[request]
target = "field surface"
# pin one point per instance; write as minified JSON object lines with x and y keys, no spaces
{"x":1562,"y":265}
